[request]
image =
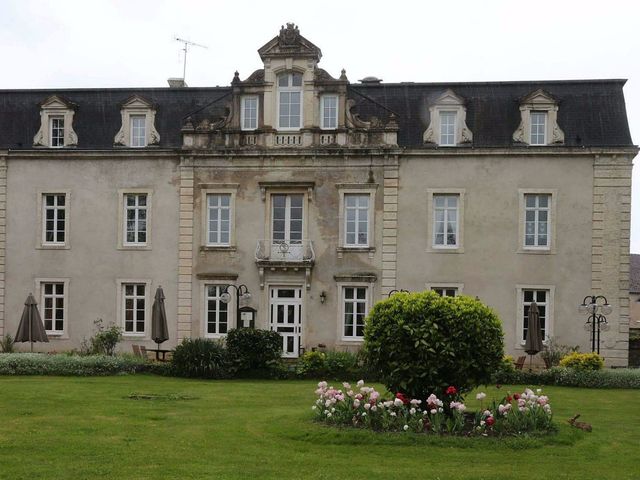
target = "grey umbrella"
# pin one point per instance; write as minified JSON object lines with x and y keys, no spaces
{"x":31,"y":328}
{"x":159,"y":329}
{"x":533,"y":343}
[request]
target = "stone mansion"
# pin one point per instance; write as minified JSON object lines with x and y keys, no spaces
{"x":320,"y":196}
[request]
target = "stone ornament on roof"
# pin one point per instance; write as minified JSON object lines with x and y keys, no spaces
{"x":289,"y":36}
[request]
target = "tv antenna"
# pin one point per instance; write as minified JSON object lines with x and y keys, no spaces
{"x":187,"y":43}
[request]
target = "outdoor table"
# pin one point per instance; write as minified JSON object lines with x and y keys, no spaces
{"x":158,"y":352}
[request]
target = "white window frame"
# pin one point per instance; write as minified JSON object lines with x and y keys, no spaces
{"x":40,"y":282}
{"x":121,"y":305}
{"x":550,"y":248}
{"x":137,"y":209}
{"x":122,"y":219}
{"x":52,"y":120}
{"x":207,"y":189}
{"x":342,"y":286}
{"x":135,"y":139}
{"x":42,"y":217}
{"x":544,"y":115}
{"x":231,"y":307}
{"x":323,"y":99}
{"x":431,"y":246}
{"x":356,"y":189}
{"x":217,"y":242}
{"x":243,"y":113}
{"x":448,"y":114}
{"x":458,"y":287}
{"x":290,"y":89}
{"x":358,"y":211}
{"x":549,"y":320}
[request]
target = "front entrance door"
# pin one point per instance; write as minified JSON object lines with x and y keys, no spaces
{"x":286,"y":317}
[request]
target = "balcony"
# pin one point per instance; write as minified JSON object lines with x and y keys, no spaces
{"x":283,"y":256}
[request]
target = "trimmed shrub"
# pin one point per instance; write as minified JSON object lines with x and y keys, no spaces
{"x":422,"y":342}
{"x":332,"y":364}
{"x":254,"y":352}
{"x":583,"y":361}
{"x":200,"y":358}
{"x":570,"y":377}
{"x":68,"y":365}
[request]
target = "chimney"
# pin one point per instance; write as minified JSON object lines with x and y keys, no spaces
{"x":177,"y":83}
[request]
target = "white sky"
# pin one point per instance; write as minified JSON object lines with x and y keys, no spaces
{"x":119,"y":43}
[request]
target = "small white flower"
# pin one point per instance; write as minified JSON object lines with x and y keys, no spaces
{"x":346,"y":386}
{"x":398,"y":403}
{"x":374,"y":408}
{"x":329,"y":414}
{"x":360,"y":383}
{"x":333,"y":410}
{"x":405,"y":428}
{"x":367,"y":406}
{"x":412,"y":411}
{"x":364,"y":414}
{"x":314,"y":407}
{"x":433,"y":411}
{"x":482,"y":422}
{"x":538,"y":391}
{"x":481,"y":396}
{"x":393,"y":414}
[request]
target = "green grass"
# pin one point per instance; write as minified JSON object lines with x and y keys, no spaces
{"x":81,"y":428}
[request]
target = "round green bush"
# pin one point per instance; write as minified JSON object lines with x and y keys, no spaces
{"x":582,"y":361}
{"x":421,"y":343}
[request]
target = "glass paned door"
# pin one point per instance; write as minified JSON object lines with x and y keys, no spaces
{"x":286,"y":317}
{"x":286,"y":227}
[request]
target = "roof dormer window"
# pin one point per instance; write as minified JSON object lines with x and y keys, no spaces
{"x":56,"y":124}
{"x":447,"y":126}
{"x":138,"y":124}
{"x":538,"y":120}
{"x":329,"y":112}
{"x":289,"y":101}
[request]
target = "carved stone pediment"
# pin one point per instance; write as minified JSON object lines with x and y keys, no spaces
{"x":448,"y":101}
{"x":539,"y":101}
{"x":56,"y":106}
{"x":137,"y":106}
{"x":289,"y":43}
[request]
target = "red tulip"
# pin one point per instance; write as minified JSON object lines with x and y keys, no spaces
{"x":490,"y":421}
{"x":451,"y":390}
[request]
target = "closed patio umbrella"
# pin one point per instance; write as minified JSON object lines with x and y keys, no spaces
{"x":533,"y":343}
{"x":31,"y":328}
{"x":159,"y":329}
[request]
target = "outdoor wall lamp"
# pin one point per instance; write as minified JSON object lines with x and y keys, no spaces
{"x":402,"y":290}
{"x":596,"y":306}
{"x":323,"y":297}
{"x":241,"y":291}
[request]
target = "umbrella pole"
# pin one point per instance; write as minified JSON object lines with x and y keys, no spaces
{"x":530,"y":362}
{"x":30,"y":330}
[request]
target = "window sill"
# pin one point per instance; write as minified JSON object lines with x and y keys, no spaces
{"x":537,"y":251}
{"x":218,"y":248}
{"x":53,"y":246}
{"x":352,"y":340}
{"x":343,"y":249}
{"x":57,"y":335}
{"x":433,"y":249}
{"x":135,"y":335}
{"x":215,"y":336}
{"x":134,"y":247}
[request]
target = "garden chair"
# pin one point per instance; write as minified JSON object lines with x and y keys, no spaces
{"x":136,"y":350}
{"x":143,"y":352}
{"x":520,"y":362}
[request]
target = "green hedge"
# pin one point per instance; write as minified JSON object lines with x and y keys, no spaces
{"x":68,"y":365}
{"x":570,"y":377}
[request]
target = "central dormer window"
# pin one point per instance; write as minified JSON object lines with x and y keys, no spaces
{"x":289,"y":101}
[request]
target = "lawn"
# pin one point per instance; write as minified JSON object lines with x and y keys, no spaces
{"x":85,"y":428}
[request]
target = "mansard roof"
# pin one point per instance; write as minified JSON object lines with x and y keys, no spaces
{"x":592,"y":113}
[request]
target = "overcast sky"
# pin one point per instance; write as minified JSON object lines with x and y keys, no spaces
{"x":98,"y":43}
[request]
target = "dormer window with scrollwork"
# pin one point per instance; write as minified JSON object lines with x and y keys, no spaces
{"x":289,"y":101}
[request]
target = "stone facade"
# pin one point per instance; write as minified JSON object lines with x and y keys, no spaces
{"x":320,"y":197}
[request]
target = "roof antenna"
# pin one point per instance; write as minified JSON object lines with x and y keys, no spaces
{"x":186,"y":47}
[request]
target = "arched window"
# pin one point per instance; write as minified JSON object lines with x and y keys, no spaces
{"x":289,"y":101}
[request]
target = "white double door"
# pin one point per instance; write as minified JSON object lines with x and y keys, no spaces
{"x":285,"y":307}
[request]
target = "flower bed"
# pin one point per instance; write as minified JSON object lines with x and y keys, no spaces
{"x":517,"y":414}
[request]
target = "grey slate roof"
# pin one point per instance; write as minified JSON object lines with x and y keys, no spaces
{"x":591,"y":113}
{"x":634,"y":273}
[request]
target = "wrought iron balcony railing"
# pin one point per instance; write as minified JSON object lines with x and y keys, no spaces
{"x":277,"y":251}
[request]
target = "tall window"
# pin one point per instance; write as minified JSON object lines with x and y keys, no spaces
{"x":216,"y":311}
{"x":538,"y":128}
{"x":218,"y":218}
{"x":286,"y":217}
{"x":52,"y":303}
{"x":445,"y":291}
{"x":54,"y":218}
{"x":541,"y":297}
{"x":536,"y":232}
{"x":355,"y":309}
{"x":447,"y":128}
{"x":138,"y":131}
{"x":57,"y":131}
{"x":289,"y":101}
{"x":135,"y":214}
{"x":134,"y":307}
{"x":356,"y":217}
{"x":329,"y":109}
{"x":445,"y":220}
{"x":249,"y":111}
